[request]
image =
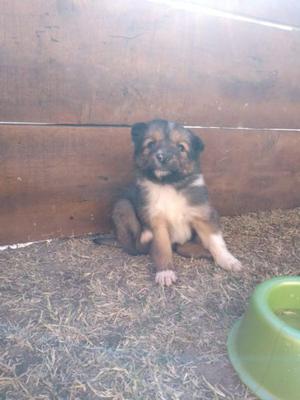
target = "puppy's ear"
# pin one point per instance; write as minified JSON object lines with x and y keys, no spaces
{"x":197,"y":143}
{"x":137,"y":133}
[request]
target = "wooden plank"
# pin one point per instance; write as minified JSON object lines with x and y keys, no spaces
{"x":252,"y":171}
{"x":58,"y":182}
{"x":120,"y":62}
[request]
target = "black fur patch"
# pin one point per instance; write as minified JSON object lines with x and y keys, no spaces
{"x":196,"y":195}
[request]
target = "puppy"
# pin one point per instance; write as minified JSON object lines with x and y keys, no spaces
{"x":167,"y":207}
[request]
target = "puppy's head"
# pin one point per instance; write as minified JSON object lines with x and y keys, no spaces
{"x":165,"y":151}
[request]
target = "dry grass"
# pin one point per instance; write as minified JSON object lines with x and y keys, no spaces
{"x":80,"y":321}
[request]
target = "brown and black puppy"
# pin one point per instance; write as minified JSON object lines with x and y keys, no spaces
{"x":167,"y":207}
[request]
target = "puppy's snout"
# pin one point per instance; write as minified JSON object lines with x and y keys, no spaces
{"x":163,"y":157}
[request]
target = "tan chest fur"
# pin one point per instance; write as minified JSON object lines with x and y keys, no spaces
{"x":166,"y":203}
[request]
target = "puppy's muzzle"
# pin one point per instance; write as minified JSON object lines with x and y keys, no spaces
{"x":163,"y":157}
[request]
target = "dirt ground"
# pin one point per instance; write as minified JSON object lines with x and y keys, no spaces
{"x":80,"y":321}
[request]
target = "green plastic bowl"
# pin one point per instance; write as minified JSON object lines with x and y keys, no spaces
{"x":264,"y":345}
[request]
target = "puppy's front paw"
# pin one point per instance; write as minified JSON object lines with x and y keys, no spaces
{"x":230,"y":263}
{"x":166,"y":278}
{"x":236,"y":265}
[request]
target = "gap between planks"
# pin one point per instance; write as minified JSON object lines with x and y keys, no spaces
{"x":96,"y":125}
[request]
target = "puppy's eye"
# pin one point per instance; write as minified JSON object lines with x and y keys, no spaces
{"x":150,"y":145}
{"x":181,"y":147}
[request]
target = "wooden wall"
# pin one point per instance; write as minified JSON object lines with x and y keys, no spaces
{"x":85,"y":62}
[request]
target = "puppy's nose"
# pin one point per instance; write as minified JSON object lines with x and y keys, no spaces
{"x":163,"y":157}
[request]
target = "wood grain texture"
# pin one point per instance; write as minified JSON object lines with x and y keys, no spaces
{"x":62,"y":181}
{"x":84,"y":61}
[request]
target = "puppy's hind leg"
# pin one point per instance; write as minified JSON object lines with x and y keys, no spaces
{"x":127,"y":227}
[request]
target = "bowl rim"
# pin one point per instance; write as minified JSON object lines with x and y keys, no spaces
{"x":260,"y":298}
